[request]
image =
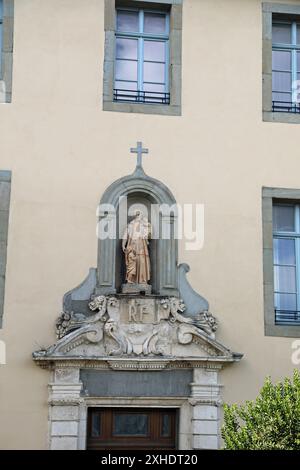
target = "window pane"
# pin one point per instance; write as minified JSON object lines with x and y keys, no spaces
{"x":154,"y":87}
{"x":298,"y":33}
{"x":285,"y":97}
{"x":298,"y":61}
{"x":126,"y":85}
{"x":156,"y":92}
{"x":296,"y":91}
{"x":154,"y":23}
{"x":127,"y":21}
{"x":281,"y":33}
{"x":285,"y":302}
{"x":1,"y":26}
{"x":154,"y":72}
{"x":126,"y":48}
{"x":1,"y":29}
{"x":166,"y":426}
{"x":127,"y":94}
{"x":281,"y":60}
{"x":155,"y":51}
{"x":285,"y":279}
{"x":282,"y":81}
{"x":126,"y":70}
{"x":284,"y":251}
{"x":283,"y":218}
{"x":96,"y":425}
{"x":132,"y":424}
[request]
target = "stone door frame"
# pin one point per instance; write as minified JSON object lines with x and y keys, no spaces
{"x":199,"y":413}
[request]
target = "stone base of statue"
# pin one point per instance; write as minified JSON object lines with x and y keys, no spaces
{"x":130,"y":288}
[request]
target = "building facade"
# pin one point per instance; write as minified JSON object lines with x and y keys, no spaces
{"x":210,"y":87}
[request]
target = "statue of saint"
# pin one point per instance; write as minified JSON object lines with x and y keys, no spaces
{"x":135,"y":247}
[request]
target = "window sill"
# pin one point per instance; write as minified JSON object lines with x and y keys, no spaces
{"x":142,"y":108}
{"x":284,"y":331}
{"x":288,"y":118}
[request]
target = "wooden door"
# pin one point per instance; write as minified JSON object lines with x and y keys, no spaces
{"x":131,"y":428}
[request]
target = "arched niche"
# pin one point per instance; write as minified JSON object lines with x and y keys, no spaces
{"x":138,"y":188}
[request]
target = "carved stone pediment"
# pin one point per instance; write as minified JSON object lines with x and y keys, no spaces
{"x":155,"y":318}
{"x":136,"y":326}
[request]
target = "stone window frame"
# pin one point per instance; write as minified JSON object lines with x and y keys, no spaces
{"x":268,"y":197}
{"x":7,"y":52}
{"x":5,"y":187}
{"x":175,"y":65}
{"x":268,"y":9}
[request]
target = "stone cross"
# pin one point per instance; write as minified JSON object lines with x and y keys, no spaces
{"x":139,"y":150}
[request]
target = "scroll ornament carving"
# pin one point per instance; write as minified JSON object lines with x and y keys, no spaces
{"x":137,"y":326}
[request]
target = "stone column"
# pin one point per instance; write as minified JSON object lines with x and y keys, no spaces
{"x":206,"y":402}
{"x":65,"y":404}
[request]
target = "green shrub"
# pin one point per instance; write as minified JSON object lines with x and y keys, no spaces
{"x":271,"y":422}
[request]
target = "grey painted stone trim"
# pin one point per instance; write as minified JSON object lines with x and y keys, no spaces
{"x":76,"y":300}
{"x":7,"y":52}
{"x":5,"y":183}
{"x":267,"y":10}
{"x":193,"y":301}
{"x":271,"y":7}
{"x":268,"y":194}
{"x":287,"y":118}
{"x":175,"y":71}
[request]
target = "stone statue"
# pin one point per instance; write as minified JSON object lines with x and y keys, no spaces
{"x":135,"y":247}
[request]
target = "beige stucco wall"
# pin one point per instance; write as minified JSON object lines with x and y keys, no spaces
{"x":63,"y":151}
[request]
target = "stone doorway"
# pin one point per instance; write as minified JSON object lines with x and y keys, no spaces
{"x":131,"y":428}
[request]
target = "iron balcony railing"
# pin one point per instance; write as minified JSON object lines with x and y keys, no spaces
{"x":287,"y":317}
{"x":285,"y":107}
{"x":137,"y":96}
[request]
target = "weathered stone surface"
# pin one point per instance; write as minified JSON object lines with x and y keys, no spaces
{"x":64,"y":443}
{"x":64,"y":413}
{"x":136,"y":288}
{"x":206,"y":412}
{"x":174,"y":383}
{"x":64,"y":428}
{"x":135,"y":326}
{"x":206,"y":442}
{"x":205,"y":427}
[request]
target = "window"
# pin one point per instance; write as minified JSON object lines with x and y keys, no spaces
{"x":1,"y":30}
{"x":286,"y":259}
{"x":285,"y":65}
{"x":142,"y":51}
{"x":6,"y":49}
{"x":281,"y":261}
{"x":142,"y":57}
{"x":280,"y":62}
